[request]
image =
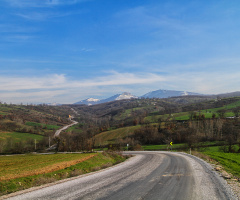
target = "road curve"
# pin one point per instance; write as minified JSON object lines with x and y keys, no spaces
{"x":148,"y":175}
{"x":64,"y":128}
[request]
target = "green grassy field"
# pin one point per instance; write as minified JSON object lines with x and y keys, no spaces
{"x":16,"y":136}
{"x":74,"y":128}
{"x":163,"y":147}
{"x":110,"y":137}
{"x":230,"y":161}
{"x":208,"y":146}
{"x":25,"y":171}
{"x":207,"y":112}
{"x":47,"y":126}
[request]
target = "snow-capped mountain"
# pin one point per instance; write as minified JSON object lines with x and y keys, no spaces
{"x":89,"y":101}
{"x":92,"y":101}
{"x":126,"y":95}
{"x":167,"y":93}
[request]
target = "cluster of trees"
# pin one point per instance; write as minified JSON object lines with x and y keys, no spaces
{"x":76,"y":140}
{"x":190,"y":132}
{"x":10,"y":146}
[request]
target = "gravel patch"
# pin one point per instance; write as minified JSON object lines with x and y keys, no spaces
{"x":208,"y":176}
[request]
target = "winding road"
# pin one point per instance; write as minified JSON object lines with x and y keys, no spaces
{"x":147,"y":175}
{"x":67,"y":126}
{"x":64,"y":128}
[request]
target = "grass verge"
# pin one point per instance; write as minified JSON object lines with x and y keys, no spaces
{"x":16,"y":183}
{"x":229,"y":161}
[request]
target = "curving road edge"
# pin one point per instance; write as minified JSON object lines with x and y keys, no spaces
{"x":147,"y":175}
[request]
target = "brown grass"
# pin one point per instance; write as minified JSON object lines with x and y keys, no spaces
{"x":46,"y":169}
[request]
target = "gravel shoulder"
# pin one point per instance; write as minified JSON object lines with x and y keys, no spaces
{"x":205,"y":174}
{"x":232,"y":182}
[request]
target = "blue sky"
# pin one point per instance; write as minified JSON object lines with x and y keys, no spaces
{"x":68,"y":50}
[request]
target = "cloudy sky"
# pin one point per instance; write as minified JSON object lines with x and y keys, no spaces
{"x":68,"y":50}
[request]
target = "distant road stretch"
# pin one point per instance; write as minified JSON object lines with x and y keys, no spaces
{"x":148,"y":175}
{"x":64,"y":128}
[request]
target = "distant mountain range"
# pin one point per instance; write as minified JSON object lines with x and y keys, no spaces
{"x":126,"y":95}
{"x":92,"y":101}
{"x":167,"y":93}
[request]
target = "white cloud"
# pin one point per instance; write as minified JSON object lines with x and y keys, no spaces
{"x":60,"y":88}
{"x":116,"y":78}
{"x":30,"y":83}
{"x":63,"y":89}
{"x":205,"y":82}
{"x":58,"y":81}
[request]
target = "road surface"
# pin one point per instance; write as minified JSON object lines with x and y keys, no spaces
{"x":148,"y":175}
{"x":64,"y":128}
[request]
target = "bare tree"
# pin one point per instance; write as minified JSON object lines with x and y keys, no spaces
{"x":221,"y":113}
{"x":236,"y":111}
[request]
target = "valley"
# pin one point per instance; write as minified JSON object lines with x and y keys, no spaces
{"x":208,"y":127}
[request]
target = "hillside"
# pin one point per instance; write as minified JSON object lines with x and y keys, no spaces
{"x":131,"y":111}
{"x":128,"y":121}
{"x":168,"y":93}
{"x":20,"y":125}
{"x":118,"y":122}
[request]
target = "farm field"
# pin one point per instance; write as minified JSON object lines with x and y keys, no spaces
{"x":20,"y":172}
{"x":202,"y":146}
{"x":47,"y":126}
{"x":185,"y":115}
{"x":162,"y":147}
{"x":109,"y":137}
{"x":27,"y":165}
{"x":74,"y":128}
{"x":17,"y":136}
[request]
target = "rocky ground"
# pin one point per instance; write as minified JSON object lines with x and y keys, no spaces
{"x":231,"y":180}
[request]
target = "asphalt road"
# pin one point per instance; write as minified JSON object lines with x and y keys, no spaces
{"x":148,"y":175}
{"x":64,"y":128}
